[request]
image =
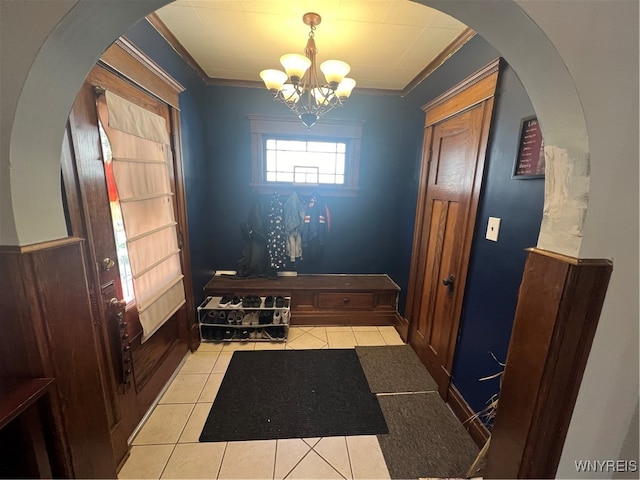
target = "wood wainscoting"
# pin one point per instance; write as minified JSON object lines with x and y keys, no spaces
{"x":559,"y":305}
{"x":49,"y":330}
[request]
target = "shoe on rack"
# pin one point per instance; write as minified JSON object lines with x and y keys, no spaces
{"x":246,"y":319}
{"x":221,"y":317}
{"x":225,"y":301}
{"x":277,"y":317}
{"x":240,"y":317}
{"x":210,"y":317}
{"x":268,"y":333}
{"x":207,"y":333}
{"x":218,"y":334}
{"x":236,"y":301}
{"x":281,"y":333}
{"x":286,"y":315}
{"x":265,"y":317}
{"x":268,"y":301}
{"x":244,"y":334}
{"x":279,"y":302}
{"x":228,"y":334}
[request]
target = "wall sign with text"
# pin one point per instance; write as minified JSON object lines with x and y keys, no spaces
{"x":530,"y":160}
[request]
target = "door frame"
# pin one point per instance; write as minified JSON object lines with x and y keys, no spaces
{"x":479,"y":88}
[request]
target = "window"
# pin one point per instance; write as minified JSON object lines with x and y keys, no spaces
{"x":289,"y":157}
{"x":305,"y":162}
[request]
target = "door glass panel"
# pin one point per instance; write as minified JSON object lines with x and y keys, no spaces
{"x":126,"y":277}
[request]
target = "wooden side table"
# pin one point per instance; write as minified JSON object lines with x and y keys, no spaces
{"x":23,"y":451}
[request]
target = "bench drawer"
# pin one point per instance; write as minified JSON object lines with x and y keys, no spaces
{"x":346,"y":300}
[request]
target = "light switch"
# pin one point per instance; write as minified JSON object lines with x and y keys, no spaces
{"x":492,"y":228}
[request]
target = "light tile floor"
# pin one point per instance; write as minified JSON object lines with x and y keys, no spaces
{"x":167,"y":444}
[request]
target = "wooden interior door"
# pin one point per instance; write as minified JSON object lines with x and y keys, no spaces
{"x":456,"y":134}
{"x":133,"y":373}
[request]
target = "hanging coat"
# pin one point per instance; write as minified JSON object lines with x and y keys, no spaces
{"x":315,"y":229}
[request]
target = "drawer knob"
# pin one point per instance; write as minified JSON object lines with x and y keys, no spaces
{"x":346,"y":300}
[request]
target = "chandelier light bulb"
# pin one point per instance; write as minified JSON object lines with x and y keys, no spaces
{"x":273,"y":79}
{"x":322,"y":95}
{"x":345,"y":87}
{"x":334,"y":71}
{"x":289,"y":93}
{"x":295,"y":65}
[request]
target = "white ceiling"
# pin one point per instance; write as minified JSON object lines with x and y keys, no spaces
{"x":386,"y":42}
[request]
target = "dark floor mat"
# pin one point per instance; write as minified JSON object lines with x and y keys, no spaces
{"x":293,"y":394}
{"x":395,"y":369}
{"x":425,"y":439}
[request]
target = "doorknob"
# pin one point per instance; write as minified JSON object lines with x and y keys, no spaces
{"x":450,"y":284}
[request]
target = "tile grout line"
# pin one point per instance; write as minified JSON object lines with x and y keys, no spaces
{"x":328,"y":462}
{"x":297,"y":463}
{"x":226,"y":444}
{"x":167,"y":462}
{"x":193,"y":407}
{"x":275,"y":459}
{"x":349,"y":457}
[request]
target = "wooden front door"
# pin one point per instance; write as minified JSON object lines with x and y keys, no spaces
{"x":133,"y":372}
{"x":456,"y":134}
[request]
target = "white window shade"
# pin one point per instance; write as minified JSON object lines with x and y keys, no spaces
{"x":139,"y":143}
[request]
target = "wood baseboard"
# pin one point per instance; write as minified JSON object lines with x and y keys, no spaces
{"x":463,"y":411}
{"x":402,"y":326}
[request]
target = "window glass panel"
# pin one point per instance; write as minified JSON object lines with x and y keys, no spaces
{"x":324,"y":178}
{"x":327,"y":165}
{"x":313,"y":162}
{"x":291,"y":145}
{"x":271,"y":161}
{"x":321,"y":147}
{"x":126,"y":277}
{"x":284,"y":176}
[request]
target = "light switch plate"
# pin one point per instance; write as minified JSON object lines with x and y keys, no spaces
{"x":493,"y":227}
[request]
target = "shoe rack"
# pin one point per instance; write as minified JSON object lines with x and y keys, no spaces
{"x":231,"y":318}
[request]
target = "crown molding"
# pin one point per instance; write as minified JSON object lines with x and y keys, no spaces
{"x":457,"y":43}
{"x":155,"y":21}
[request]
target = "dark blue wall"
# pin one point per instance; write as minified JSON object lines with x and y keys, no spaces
{"x":373,"y":232}
{"x":363,"y":229}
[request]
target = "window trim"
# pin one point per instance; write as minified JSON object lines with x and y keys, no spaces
{"x":348,"y":131}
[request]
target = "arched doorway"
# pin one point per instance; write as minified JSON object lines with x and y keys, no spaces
{"x":35,"y":138}
{"x":72,"y":49}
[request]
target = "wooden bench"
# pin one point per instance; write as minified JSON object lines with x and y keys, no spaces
{"x":339,"y":299}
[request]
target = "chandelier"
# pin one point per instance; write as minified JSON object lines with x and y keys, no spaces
{"x":300,"y":89}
